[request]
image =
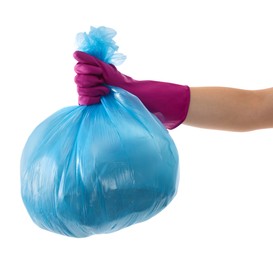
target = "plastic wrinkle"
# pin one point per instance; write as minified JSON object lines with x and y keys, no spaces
{"x":99,"y":43}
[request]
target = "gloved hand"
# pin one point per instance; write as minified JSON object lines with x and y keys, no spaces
{"x":168,"y":101}
{"x":89,"y":86}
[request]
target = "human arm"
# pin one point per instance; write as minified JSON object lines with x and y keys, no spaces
{"x":230,"y":109}
{"x":220,"y":108}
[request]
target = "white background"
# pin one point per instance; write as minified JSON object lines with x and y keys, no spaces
{"x":224,"y":207}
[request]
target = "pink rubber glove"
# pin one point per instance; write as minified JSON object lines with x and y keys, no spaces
{"x":168,"y":101}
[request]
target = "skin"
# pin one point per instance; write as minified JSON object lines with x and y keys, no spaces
{"x":230,"y":109}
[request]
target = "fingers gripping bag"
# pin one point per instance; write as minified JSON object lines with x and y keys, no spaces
{"x":96,"y":169}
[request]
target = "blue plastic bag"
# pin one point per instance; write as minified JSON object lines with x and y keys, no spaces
{"x":96,"y":169}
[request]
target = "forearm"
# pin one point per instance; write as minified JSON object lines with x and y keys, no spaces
{"x":230,"y":109}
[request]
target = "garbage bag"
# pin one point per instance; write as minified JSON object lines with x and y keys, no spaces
{"x":96,"y":169}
